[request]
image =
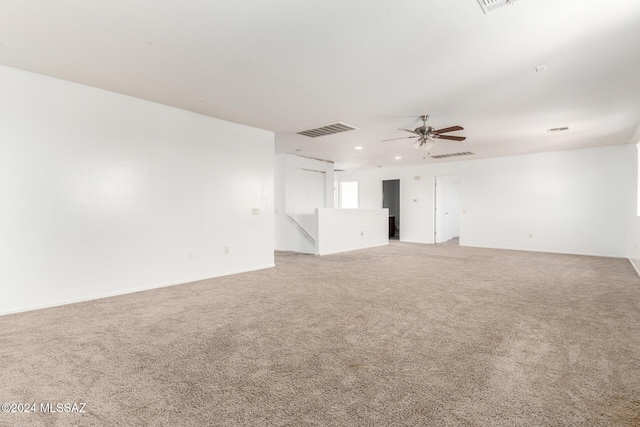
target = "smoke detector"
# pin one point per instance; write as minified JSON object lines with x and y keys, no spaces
{"x":489,"y":5}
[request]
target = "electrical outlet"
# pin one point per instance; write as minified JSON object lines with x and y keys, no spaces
{"x":362,"y":233}
{"x":226,"y":250}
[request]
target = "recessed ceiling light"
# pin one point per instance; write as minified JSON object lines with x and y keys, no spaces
{"x":541,"y":68}
{"x":398,"y":157}
{"x":561,"y":129}
{"x":358,"y":148}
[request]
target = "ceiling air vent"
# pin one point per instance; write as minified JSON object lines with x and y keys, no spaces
{"x":489,"y":5}
{"x":562,"y":129}
{"x":464,"y":153}
{"x":327,"y":130}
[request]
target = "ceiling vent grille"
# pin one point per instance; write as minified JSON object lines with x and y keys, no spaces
{"x":562,"y":129}
{"x":443,"y":156}
{"x":329,"y":129}
{"x":489,"y":5}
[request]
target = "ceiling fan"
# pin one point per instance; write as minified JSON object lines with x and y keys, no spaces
{"x":427,"y":135}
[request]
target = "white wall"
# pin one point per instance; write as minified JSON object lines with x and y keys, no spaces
{"x":569,"y":201}
{"x":105,"y":194}
{"x":280,"y":202}
{"x":633,"y":228}
{"x":341,"y":230}
{"x":302,"y":186}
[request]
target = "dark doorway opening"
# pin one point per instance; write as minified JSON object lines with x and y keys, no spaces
{"x":391,"y":201}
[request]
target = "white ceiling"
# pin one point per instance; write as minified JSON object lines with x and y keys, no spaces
{"x":289,"y":65}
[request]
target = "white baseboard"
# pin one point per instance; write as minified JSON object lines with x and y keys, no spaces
{"x":127,"y":291}
{"x":546,"y":251}
{"x":635,"y":267}
{"x":354,"y":249}
{"x":416,"y":241}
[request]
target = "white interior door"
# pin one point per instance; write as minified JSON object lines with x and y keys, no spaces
{"x":447,"y":208}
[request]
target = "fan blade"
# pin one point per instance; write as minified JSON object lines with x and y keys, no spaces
{"x":449,"y":129}
{"x":393,"y":139}
{"x":452,"y":138}
{"x":409,"y":130}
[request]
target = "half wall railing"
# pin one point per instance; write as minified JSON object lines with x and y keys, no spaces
{"x":302,"y":230}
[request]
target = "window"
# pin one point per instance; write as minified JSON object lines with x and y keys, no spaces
{"x":349,"y":195}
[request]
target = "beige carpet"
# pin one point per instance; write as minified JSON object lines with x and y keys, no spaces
{"x":401,"y":335}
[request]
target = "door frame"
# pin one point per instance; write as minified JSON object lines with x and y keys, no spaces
{"x":399,"y":199}
{"x":437,"y":213}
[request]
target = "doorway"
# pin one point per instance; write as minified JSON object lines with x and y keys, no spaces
{"x":391,"y":201}
{"x":306,"y":191}
{"x":447,"y":210}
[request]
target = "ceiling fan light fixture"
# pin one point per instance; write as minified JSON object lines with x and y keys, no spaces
{"x":428,"y":145}
{"x":427,"y":136}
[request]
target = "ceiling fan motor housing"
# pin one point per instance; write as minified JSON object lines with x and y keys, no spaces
{"x":426,"y":132}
